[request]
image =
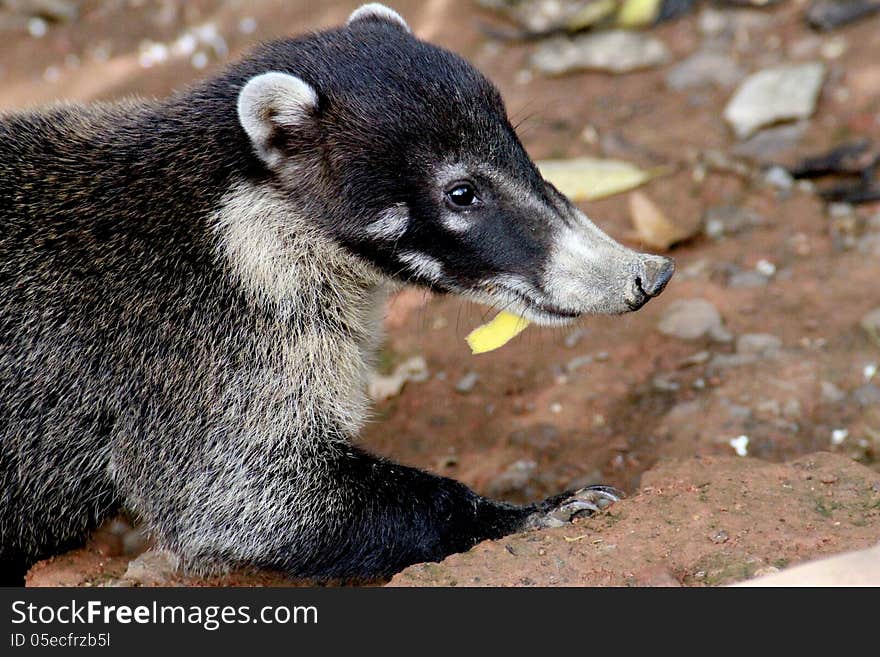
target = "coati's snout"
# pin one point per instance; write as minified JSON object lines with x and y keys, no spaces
{"x":558,"y":265}
{"x":417,"y":169}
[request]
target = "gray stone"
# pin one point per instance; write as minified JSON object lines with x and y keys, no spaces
{"x":768,"y":145}
{"x":514,"y":479}
{"x":841,"y":210}
{"x":699,"y":358}
{"x":723,"y":361}
{"x":612,"y":51}
{"x":573,"y":338}
{"x":705,"y":68}
{"x":871,"y":323}
{"x":728,"y":220}
{"x":774,"y":95}
{"x":662,"y":384}
{"x":831,"y":394}
{"x":870,"y":245}
{"x":692,"y":319}
{"x":747,"y":279}
{"x":779,"y":178}
{"x":152,"y":568}
{"x":867,"y":394}
{"x":578,"y":362}
{"x":761,"y":345}
{"x":540,"y":436}
{"x":721,"y":536}
{"x":730,"y":22}
{"x":792,"y":409}
{"x":466,"y":383}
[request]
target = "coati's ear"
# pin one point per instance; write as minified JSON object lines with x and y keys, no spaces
{"x":270,"y":104}
{"x":377,"y":12}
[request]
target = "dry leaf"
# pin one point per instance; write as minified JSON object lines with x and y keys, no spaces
{"x":652,"y":227}
{"x":588,"y":179}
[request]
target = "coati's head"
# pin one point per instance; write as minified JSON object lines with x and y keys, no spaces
{"x":404,"y":152}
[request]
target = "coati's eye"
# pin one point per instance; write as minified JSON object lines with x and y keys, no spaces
{"x":462,"y":195}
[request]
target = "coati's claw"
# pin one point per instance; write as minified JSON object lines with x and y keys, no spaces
{"x":560,"y":510}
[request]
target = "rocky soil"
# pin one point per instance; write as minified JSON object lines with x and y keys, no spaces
{"x":740,"y":410}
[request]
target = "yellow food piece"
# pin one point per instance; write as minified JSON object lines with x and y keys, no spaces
{"x":496,"y":333}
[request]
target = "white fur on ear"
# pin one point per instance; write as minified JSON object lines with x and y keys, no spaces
{"x":376,"y":10}
{"x":272,"y":100}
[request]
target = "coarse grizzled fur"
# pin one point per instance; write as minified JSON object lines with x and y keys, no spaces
{"x":191,"y":291}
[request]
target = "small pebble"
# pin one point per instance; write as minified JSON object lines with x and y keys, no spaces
{"x":871,"y":323}
{"x":833,"y":48}
{"x":747,"y":279}
{"x":840,"y":210}
{"x":758,"y":344}
{"x":185,"y":45}
{"x":578,"y":362}
{"x":52,"y":74}
{"x":539,"y":436}
{"x":199,"y":60}
{"x":779,"y":178}
{"x":573,"y":338}
{"x":247,"y":25}
{"x":37,"y":27}
{"x":523,"y":76}
{"x":662,"y":384}
{"x":740,"y":445}
{"x":765,"y":268}
{"x":720,"y":536}
{"x":466,"y":383}
{"x":699,"y":358}
{"x":831,"y":394}
{"x":867,"y":395}
{"x":692,"y":319}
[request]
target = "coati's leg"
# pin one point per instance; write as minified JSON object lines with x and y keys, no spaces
{"x":401,"y":515}
{"x":368,"y":518}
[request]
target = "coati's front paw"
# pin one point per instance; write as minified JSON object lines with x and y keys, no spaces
{"x":561,"y":509}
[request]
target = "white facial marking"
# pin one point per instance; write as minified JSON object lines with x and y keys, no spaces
{"x":456,"y":223}
{"x":390,"y":224}
{"x":524,"y":196}
{"x":423,"y":265}
{"x":379,"y":11}
{"x":279,"y":256}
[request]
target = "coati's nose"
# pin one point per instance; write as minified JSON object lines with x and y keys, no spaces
{"x":655,"y":274}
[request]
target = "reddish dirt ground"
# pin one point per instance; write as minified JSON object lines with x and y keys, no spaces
{"x":532,"y":426}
